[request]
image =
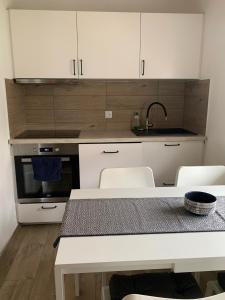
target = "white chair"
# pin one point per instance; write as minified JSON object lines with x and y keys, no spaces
{"x":127,"y":178}
{"x":124,"y":178}
{"x":141,"y":297}
{"x":200,"y":176}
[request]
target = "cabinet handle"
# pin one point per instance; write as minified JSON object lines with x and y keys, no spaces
{"x":168,"y":184}
{"x":110,"y":152}
{"x":81,"y":67}
{"x":143,"y":67}
{"x":171,"y":145}
{"x":50,"y":207}
{"x":74,"y":67}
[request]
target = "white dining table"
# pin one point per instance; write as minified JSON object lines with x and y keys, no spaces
{"x":180,"y":252}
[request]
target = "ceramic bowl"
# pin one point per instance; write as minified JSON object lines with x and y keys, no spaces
{"x":200,"y":203}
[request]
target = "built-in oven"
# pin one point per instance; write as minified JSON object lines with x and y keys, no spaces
{"x":30,"y":190}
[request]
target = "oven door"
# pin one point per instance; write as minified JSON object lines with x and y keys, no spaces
{"x":30,"y":190}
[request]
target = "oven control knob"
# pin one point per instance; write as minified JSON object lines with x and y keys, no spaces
{"x":34,"y":149}
{"x":57,"y":149}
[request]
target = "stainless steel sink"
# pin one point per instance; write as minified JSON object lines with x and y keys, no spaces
{"x":164,"y":131}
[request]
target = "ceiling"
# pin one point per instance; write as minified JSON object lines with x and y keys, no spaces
{"x":177,"y":6}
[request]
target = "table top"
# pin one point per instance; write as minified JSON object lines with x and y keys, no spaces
{"x":144,"y":192}
{"x":104,"y":253}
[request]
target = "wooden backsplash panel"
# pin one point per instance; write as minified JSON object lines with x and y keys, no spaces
{"x":39,"y":102}
{"x":82,"y":87}
{"x":82,"y":104}
{"x":171,"y":87}
{"x":16,"y":107}
{"x":132,"y":87}
{"x":196,"y":105}
{"x":89,"y":102}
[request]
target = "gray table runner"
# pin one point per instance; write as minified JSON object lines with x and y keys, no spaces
{"x":98,"y":217}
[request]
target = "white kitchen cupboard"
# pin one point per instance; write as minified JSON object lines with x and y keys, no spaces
{"x":40,"y":213}
{"x":44,"y":44}
{"x":108,"y":44}
{"x":171,"y":45}
{"x":94,"y":158}
{"x":166,"y":157}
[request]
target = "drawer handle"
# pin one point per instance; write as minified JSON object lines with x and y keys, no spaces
{"x":50,"y":207}
{"x":171,"y":145}
{"x":168,"y":184}
{"x":110,"y":152}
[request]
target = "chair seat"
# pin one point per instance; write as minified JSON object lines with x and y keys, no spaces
{"x":221,"y":279}
{"x":166,"y":285}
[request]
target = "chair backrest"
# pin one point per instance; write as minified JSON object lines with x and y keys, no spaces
{"x":127,"y":178}
{"x":201,"y":176}
{"x":141,"y":297}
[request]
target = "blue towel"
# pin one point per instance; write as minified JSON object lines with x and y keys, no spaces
{"x":47,"y":168}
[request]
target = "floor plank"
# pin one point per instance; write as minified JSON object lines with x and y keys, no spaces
{"x":28,"y":256}
{"x":27,"y":268}
{"x":10,"y":252}
{"x":43,"y":287}
{"x":16,"y":290}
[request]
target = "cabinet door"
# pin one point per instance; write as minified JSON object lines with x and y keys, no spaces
{"x":95,"y":157}
{"x":166,"y":158}
{"x":171,"y":45}
{"x":44,"y":43}
{"x":108,"y":44}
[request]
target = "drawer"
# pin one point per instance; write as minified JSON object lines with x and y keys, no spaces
{"x":40,"y":212}
{"x":96,"y":157}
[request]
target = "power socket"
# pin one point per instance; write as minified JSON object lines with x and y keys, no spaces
{"x":108,"y":114}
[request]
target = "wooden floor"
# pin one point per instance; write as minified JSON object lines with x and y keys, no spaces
{"x":27,"y":265}
{"x":27,"y":268}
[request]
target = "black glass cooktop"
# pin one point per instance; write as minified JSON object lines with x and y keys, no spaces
{"x":42,"y":134}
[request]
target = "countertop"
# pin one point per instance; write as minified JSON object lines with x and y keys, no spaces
{"x":107,"y":136}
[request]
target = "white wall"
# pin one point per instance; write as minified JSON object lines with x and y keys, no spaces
{"x":184,"y":6}
{"x":213,"y":67}
{"x":7,"y":204}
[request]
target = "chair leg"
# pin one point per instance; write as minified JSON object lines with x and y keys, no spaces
{"x":105,"y":295}
{"x":104,"y":279}
{"x":104,"y":288}
{"x":77,"y":285}
{"x":197,"y":277}
{"x":213,"y":288}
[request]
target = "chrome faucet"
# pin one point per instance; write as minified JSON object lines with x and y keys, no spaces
{"x":148,"y":123}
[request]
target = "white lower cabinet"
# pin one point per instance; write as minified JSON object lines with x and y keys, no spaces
{"x":40,"y":212}
{"x":95,"y":157}
{"x":166,"y":157}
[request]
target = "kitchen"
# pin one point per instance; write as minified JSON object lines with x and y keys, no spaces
{"x":75,"y":99}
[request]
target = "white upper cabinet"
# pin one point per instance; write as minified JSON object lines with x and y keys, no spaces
{"x":44,"y":43}
{"x":108,"y":44}
{"x":68,"y":44}
{"x":170,"y":45}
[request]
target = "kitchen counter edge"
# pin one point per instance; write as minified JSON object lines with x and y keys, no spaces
{"x":107,"y":140}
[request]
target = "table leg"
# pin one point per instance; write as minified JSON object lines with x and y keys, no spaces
{"x":59,"y":284}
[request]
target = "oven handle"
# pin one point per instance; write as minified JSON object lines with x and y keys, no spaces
{"x":29,"y":160}
{"x":50,"y":207}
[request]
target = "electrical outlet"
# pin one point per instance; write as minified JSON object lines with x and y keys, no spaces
{"x":108,"y":114}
